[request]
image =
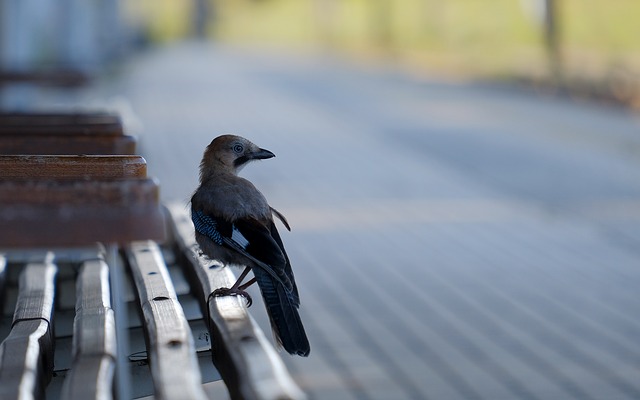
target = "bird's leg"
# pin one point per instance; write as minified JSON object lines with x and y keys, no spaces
{"x":246,"y":285}
{"x":240,"y":278}
{"x":237,"y":288}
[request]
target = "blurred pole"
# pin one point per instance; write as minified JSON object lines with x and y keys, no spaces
{"x":202,"y":12}
{"x":552,"y":38}
{"x":79,"y":48}
{"x":15,"y":40}
{"x":381,"y":22}
{"x":111,"y":38}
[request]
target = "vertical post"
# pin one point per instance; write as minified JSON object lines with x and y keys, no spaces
{"x":117,"y":282}
{"x":78,"y":30}
{"x":109,"y":35}
{"x":200,"y":18}
{"x":552,"y":38}
{"x":381,"y":22}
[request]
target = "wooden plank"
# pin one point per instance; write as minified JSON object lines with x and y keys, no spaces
{"x":76,"y":213}
{"x":72,"y":167}
{"x":3,"y":278}
{"x":91,"y":378}
{"x":26,"y":355}
{"x":247,"y":362}
{"x":55,"y":77}
{"x":69,"y":123}
{"x":67,"y":144}
{"x":94,"y":336}
{"x":24,"y":368}
{"x":171,"y":349}
{"x":22,"y":118}
{"x":35,"y":299}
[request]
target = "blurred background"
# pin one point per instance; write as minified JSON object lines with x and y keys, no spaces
{"x":462,"y":177}
{"x":588,"y":49}
{"x":591,"y":48}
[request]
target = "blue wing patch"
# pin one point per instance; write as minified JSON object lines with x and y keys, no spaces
{"x":206,"y":225}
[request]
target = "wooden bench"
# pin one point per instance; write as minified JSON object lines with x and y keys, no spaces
{"x":74,"y":201}
{"x":55,"y":201}
{"x":107,"y":199}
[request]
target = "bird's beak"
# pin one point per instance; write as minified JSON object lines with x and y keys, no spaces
{"x":261,"y":154}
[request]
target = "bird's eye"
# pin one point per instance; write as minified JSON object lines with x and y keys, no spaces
{"x":238,"y":148}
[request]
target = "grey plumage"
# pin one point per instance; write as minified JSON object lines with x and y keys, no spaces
{"x":234,"y":224}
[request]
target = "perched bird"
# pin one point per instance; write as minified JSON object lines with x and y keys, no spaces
{"x":234,"y":224}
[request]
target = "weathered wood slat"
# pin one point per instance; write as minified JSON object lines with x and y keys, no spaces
{"x":33,"y":213}
{"x":247,"y":362}
{"x":3,"y":277}
{"x":173,"y":361}
{"x":57,"y":77}
{"x":92,"y":379}
{"x":67,"y":144}
{"x":76,"y":193}
{"x":72,"y":167}
{"x":35,"y":299}
{"x":40,"y":123}
{"x":94,"y":336}
{"x":26,"y":355}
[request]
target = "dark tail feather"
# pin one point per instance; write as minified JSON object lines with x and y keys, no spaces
{"x":283,"y":313}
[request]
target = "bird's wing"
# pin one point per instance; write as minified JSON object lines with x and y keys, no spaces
{"x":287,"y":267}
{"x":281,"y":300}
{"x":263,"y":246}
{"x":248,"y":237}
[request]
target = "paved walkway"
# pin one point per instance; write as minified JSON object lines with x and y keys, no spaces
{"x":451,"y":241}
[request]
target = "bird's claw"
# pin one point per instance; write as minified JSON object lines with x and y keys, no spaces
{"x":233,"y":292}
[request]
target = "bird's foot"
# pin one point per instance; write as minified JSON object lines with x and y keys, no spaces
{"x":233,"y":292}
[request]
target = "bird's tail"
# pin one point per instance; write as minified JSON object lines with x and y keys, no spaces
{"x":283,"y":313}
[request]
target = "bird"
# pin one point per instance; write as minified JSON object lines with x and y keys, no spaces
{"x":234,"y":224}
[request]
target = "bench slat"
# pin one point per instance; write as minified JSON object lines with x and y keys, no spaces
{"x":56,"y":77}
{"x":26,"y":355}
{"x":37,"y":289}
{"x":92,"y":378}
{"x":72,"y":167}
{"x":75,"y":213}
{"x":39,"y":123}
{"x":94,"y":336}
{"x":247,"y":362}
{"x":174,"y":366}
{"x":3,"y":278}
{"x":26,"y":360}
{"x":67,"y":144}
{"x":56,"y":119}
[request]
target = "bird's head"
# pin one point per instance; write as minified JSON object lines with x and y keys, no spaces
{"x":229,"y":154}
